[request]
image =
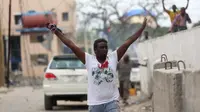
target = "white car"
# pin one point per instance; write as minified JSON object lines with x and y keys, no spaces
{"x":65,"y":78}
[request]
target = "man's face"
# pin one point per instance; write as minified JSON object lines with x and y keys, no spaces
{"x":102,"y":49}
{"x":174,"y":7}
{"x":126,"y":58}
{"x":182,"y":11}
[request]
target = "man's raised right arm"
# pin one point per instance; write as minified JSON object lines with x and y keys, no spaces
{"x":77,"y":51}
{"x":164,"y":7}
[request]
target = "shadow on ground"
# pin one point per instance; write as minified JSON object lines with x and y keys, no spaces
{"x":71,"y":107}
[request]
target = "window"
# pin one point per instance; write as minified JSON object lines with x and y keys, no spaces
{"x":62,"y":63}
{"x":36,"y":38}
{"x":39,"y":59}
{"x":17,"y":19}
{"x":65,"y":16}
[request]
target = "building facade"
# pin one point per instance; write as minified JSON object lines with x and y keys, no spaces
{"x":32,"y":45}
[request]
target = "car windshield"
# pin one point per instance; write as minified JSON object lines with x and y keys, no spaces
{"x":66,"y":64}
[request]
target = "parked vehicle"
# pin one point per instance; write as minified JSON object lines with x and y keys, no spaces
{"x":65,"y":78}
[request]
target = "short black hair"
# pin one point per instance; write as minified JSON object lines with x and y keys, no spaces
{"x":174,"y":5}
{"x":98,"y":41}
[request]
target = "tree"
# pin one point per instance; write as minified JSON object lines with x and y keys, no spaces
{"x":108,"y":14}
{"x":150,"y":6}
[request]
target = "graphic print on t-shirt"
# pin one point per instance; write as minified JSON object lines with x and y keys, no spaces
{"x":102,"y":75}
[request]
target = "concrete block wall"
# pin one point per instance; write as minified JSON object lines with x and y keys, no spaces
{"x":176,"y":91}
{"x":167,"y":90}
{"x":191,"y":91}
{"x":161,"y":65}
{"x":182,"y":45}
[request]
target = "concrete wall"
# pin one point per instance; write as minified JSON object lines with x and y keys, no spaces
{"x":191,"y":91}
{"x":182,"y":45}
{"x":176,"y":91}
{"x":167,"y":90}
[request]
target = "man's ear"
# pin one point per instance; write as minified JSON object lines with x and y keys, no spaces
{"x":95,"y":49}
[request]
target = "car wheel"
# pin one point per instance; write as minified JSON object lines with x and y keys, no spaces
{"x":48,"y":102}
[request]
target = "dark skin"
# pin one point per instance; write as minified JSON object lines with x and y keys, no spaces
{"x":183,"y":12}
{"x":102,"y":47}
{"x":126,"y":58}
{"x":101,"y":51}
{"x":174,"y":8}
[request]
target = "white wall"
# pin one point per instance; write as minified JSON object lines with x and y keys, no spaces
{"x":184,"y":45}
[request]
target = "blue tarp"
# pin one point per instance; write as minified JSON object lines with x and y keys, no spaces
{"x":27,"y":30}
{"x":136,"y":12}
{"x":32,"y":13}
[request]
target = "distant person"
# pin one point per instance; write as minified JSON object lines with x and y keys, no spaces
{"x":146,"y":35}
{"x":180,"y":21}
{"x":175,"y":11}
{"x":124,"y":70}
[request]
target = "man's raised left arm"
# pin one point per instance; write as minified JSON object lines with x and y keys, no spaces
{"x":123,"y":48}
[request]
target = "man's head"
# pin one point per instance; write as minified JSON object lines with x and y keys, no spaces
{"x":101,"y":48}
{"x":126,"y":58}
{"x":174,"y":8}
{"x":182,"y":11}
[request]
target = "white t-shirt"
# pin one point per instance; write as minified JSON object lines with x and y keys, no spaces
{"x":102,"y":87}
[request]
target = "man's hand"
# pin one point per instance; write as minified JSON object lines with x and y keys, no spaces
{"x":51,"y":27}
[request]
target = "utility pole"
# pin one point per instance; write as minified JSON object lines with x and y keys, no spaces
{"x":9,"y":33}
{"x":2,"y":67}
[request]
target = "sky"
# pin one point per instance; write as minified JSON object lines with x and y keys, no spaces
{"x":193,"y":9}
